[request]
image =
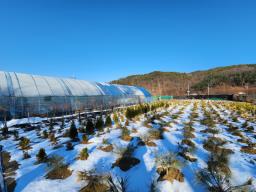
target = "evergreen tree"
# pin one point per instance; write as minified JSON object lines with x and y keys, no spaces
{"x":24,"y":143}
{"x":108,"y":122}
{"x":51,"y":125}
{"x":26,"y":155}
{"x":62,"y":126}
{"x":53,"y":138}
{"x":84,"y":139}
{"x":79,"y":118}
{"x":69,"y":146}
{"x":84,"y":154}
{"x":99,"y":124}
{"x":5,"y":129}
{"x":41,"y":156}
{"x":45,"y":134}
{"x":126,"y":123}
{"x":89,"y":127}
{"x":115,"y":118}
{"x":16,"y":135}
{"x":73,"y":131}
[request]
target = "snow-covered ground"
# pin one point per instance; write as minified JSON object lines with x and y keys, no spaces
{"x":31,"y":176}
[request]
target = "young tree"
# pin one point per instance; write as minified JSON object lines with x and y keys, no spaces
{"x":41,"y":156}
{"x":16,"y":135}
{"x":108,"y":122}
{"x":126,"y":123}
{"x":45,"y":134}
{"x":55,"y":162}
{"x":73,"y":131}
{"x":84,"y":154}
{"x":79,"y":117}
{"x":115,"y":118}
{"x":89,"y":127}
{"x":69,"y":146}
{"x":84,"y":139}
{"x":26,"y":155}
{"x":53,"y":139}
{"x":51,"y":125}
{"x":62,"y":126}
{"x":24,"y":143}
{"x":5,"y":129}
{"x":99,"y":124}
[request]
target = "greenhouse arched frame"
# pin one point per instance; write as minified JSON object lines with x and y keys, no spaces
{"x":23,"y":95}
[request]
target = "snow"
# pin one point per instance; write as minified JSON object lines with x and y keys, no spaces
{"x":31,"y":176}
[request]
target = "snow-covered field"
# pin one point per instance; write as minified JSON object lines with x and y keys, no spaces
{"x":176,"y":122}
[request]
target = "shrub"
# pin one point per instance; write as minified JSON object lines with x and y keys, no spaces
{"x":89,"y":127}
{"x":84,"y":139}
{"x":69,"y":146}
{"x":213,"y":144}
{"x":26,"y":155}
{"x":188,"y":142}
{"x":5,"y":130}
{"x":125,"y":134}
{"x":24,"y":143}
{"x":84,"y":154}
{"x":234,"y":119}
{"x":238,"y":133}
{"x":155,"y":134}
{"x":248,"y":149}
{"x":126,"y":123}
{"x":245,"y":124}
{"x":108,"y":122}
{"x":41,"y":156}
{"x":53,"y":138}
{"x":79,"y":118}
{"x":95,"y":182}
{"x":73,"y":131}
{"x":58,"y":169}
{"x":215,"y":179}
{"x":188,"y":135}
{"x":51,"y":125}
{"x":62,"y":126}
{"x":213,"y":131}
{"x":16,"y":135}
{"x":99,"y":124}
{"x":45,"y":134}
{"x":115,"y":118}
{"x":55,"y":161}
{"x":122,"y":118}
{"x":105,"y":141}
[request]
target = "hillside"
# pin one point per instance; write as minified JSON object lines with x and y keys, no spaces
{"x":222,"y":80}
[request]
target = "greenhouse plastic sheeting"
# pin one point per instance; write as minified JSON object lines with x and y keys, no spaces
{"x":22,"y":94}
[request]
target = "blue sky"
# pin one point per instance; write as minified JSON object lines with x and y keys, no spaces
{"x":105,"y":40}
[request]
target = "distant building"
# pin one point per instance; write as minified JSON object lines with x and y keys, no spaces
{"x":240,"y":96}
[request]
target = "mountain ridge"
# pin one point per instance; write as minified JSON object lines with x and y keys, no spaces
{"x":222,"y":80}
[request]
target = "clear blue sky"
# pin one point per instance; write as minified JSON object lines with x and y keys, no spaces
{"x":105,"y":40}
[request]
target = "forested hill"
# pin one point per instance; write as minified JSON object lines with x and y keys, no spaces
{"x":222,"y":80}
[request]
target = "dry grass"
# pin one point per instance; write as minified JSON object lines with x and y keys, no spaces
{"x":58,"y":169}
{"x":107,"y":148}
{"x":155,"y":134}
{"x":96,"y":182}
{"x":188,"y":142}
{"x":248,"y":149}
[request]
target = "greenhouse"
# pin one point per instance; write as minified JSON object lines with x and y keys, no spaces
{"x":24,"y":95}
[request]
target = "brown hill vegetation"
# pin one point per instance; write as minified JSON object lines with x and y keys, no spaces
{"x":222,"y":80}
